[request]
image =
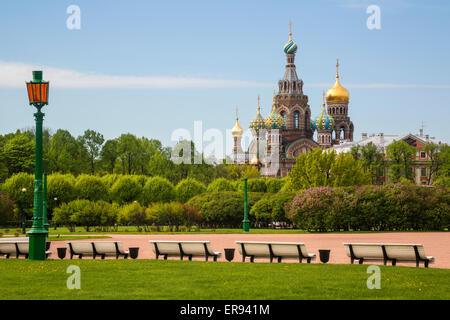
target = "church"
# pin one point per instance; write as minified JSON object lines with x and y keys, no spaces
{"x":288,"y":130}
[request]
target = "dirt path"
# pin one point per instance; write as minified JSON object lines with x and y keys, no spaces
{"x":436,"y":244}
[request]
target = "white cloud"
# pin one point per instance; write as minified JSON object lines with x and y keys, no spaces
{"x":13,"y":75}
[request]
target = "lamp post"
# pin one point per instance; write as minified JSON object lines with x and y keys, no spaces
{"x":246,"y":222}
{"x":38,"y":97}
{"x":44,"y":204}
{"x":24,"y":191}
{"x":56,"y":203}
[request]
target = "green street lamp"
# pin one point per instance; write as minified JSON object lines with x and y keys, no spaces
{"x":44,"y":204}
{"x":246,"y":222}
{"x":24,"y":191}
{"x":56,"y":204}
{"x":38,"y":97}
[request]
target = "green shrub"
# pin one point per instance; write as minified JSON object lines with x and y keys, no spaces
{"x":14,"y":185}
{"x":91,"y":188}
{"x":191,"y":215}
{"x":253,"y":185}
{"x":125,"y":190}
{"x":141,"y":179}
{"x":133,"y":213}
{"x":272,"y":207}
{"x":390,"y":207}
{"x":109,"y":179}
{"x":61,"y":187}
{"x":221,"y":184}
{"x":274,"y":185}
{"x":188,"y":188}
{"x":167,"y":214}
{"x":157,"y":189}
{"x":225,"y":209}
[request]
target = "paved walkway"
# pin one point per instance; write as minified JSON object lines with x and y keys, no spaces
{"x":436,"y":244}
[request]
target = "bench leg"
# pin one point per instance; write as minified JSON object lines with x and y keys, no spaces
{"x":125,"y":256}
{"x":243,"y":258}
{"x":252,"y":259}
{"x":80,"y":256}
{"x":165,"y":257}
{"x":71,"y":256}
{"x":206,"y":259}
{"x":352,"y":260}
{"x":103,"y":257}
{"x":361,"y":261}
{"x":271,"y":259}
{"x":157,"y":256}
{"x":394,"y":262}
{"x":417,"y":263}
{"x":190,"y":258}
{"x":7,"y":256}
{"x":300,"y":259}
{"x":215,"y":258}
{"x":308,"y":260}
{"x":385,"y":261}
{"x":279,"y":259}
{"x":426,"y":263}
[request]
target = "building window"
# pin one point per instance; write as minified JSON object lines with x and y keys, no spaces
{"x":423,"y":154}
{"x":283,"y":114}
{"x":296,"y":115}
{"x":423,"y":172}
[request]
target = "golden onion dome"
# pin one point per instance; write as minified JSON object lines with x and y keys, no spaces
{"x":337,"y":93}
{"x":237,"y":130}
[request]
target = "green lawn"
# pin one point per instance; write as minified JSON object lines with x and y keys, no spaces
{"x":150,"y":279}
{"x":133,"y":230}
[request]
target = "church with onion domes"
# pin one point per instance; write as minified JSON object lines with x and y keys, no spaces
{"x":288,"y":130}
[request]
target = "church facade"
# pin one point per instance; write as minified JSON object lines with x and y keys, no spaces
{"x":288,"y":130}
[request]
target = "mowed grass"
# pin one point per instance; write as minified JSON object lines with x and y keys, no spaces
{"x":150,"y":279}
{"x":133,"y":230}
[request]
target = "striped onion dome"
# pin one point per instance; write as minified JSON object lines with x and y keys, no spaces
{"x":258,"y":123}
{"x":274,"y":120}
{"x":290,"y":47}
{"x":324,"y":121}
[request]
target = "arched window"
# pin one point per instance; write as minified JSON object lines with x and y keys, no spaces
{"x":283,"y":114}
{"x":296,"y":116}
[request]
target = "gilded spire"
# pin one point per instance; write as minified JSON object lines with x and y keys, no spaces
{"x":290,"y":30}
{"x":259,"y":104}
{"x":237,"y":129}
{"x":337,"y":68}
{"x":323,"y":102}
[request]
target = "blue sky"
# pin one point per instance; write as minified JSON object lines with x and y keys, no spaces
{"x":150,"y":67}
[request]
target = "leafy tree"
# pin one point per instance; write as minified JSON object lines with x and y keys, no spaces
{"x":18,"y":154}
{"x":436,"y":155}
{"x":90,"y":188}
{"x":443,"y":171}
{"x":133,"y":213}
{"x":167,"y":214}
{"x":346,"y":171}
{"x":66,"y":154}
{"x":110,"y":154}
{"x":92,"y":141}
{"x":6,"y":208}
{"x":372,"y":160}
{"x":157,"y":189}
{"x":129,"y":150}
{"x":125,"y":190}
{"x":14,"y":185}
{"x":188,"y":188}
{"x":220,"y":184}
{"x":60,"y":187}
{"x":271,"y":207}
{"x":400,"y":155}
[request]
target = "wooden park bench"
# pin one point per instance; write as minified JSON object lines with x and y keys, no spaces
{"x":94,"y":249}
{"x":394,"y":252}
{"x":18,"y":248}
{"x":274,"y":250}
{"x":183,"y":249}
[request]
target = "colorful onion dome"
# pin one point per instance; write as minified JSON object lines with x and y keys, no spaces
{"x":290,"y":47}
{"x":324,"y":121}
{"x":337,"y":93}
{"x":237,"y":130}
{"x":274,"y":120}
{"x":258,"y":123}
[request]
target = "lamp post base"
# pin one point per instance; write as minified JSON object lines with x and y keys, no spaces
{"x":37,"y":246}
{"x":246,"y":226}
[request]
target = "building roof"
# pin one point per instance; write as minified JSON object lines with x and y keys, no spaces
{"x":382,"y":141}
